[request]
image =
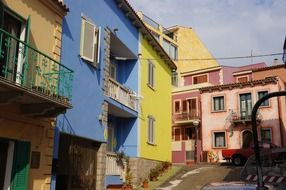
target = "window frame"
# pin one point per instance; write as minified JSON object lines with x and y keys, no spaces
{"x":174,"y":104}
{"x":151,"y":130}
{"x":94,"y":60}
{"x":205,"y":74}
{"x":271,"y":134}
{"x":266,"y":101}
{"x":213,"y":103}
{"x":114,"y":66}
{"x":151,"y":74}
{"x":214,"y":139}
{"x":240,"y":77}
{"x":174,"y":134}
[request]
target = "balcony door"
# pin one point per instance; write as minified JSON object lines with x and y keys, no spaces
{"x":245,"y":105}
{"x":189,"y":108}
{"x":14,"y":29}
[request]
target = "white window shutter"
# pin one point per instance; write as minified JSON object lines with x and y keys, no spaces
{"x":88,"y":40}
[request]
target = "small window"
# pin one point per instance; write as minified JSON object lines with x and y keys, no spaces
{"x":218,"y":103}
{"x":90,"y":40}
{"x":177,"y":106}
{"x":110,"y":139}
{"x":174,"y":78}
{"x":242,"y":79}
{"x":189,"y":133}
{"x":219,"y":139}
{"x":200,"y":79}
{"x":151,"y":130}
{"x":266,"y":135}
{"x":177,"y":134}
{"x":260,"y":95}
{"x":151,"y":74}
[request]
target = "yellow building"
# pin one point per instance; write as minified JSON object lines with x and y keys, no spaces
{"x":183,"y":45}
{"x":155,"y":110}
{"x":34,"y":89}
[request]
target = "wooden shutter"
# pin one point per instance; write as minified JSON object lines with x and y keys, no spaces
{"x":88,"y":40}
{"x":20,"y":170}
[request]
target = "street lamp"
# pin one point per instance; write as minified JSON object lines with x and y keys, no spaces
{"x":196,"y":123}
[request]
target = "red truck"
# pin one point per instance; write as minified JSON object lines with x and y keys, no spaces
{"x":239,"y":156}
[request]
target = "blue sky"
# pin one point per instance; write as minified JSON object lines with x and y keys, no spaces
{"x":227,"y":27}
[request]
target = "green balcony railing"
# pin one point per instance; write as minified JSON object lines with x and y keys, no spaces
{"x":28,"y":67}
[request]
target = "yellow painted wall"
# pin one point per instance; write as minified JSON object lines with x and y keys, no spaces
{"x":191,"y":47}
{"x":46,"y":25}
{"x":39,"y":132}
{"x":155,"y":102}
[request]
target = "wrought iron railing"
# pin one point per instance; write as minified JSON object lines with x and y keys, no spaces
{"x":241,"y":116}
{"x":122,"y":94}
{"x":186,"y":116}
{"x":28,"y":67}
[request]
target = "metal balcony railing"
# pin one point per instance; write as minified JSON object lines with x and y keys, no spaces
{"x":187,"y":116}
{"x":113,"y":167}
{"x":27,"y":67}
{"x":242,"y":116}
{"x":122,"y":94}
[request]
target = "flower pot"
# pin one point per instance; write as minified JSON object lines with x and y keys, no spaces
{"x":145,"y":184}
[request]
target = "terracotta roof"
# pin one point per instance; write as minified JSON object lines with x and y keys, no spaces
{"x":267,"y":80}
{"x":269,"y":68}
{"x":61,"y":5}
{"x":137,"y":22}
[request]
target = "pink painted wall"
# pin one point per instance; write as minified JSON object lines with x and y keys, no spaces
{"x":213,"y":78}
{"x":216,"y":121}
{"x":179,"y":156}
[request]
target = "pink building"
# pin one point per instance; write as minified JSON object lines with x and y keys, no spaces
{"x":226,"y":121}
{"x":187,"y":115}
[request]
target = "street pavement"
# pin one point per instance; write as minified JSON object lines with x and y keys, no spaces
{"x":195,"y":177}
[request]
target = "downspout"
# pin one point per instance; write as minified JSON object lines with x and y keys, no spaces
{"x":280,"y":116}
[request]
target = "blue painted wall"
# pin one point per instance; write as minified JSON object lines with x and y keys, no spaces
{"x":87,"y":97}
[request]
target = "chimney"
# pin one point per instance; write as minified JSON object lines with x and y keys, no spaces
{"x":275,"y":62}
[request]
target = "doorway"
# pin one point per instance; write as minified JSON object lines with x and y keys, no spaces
{"x":247,"y":139}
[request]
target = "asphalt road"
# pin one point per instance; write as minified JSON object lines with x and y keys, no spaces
{"x":193,"y":178}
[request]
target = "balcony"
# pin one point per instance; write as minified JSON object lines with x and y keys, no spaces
{"x":243,"y":116}
{"x":122,"y":94}
{"x":38,"y":83}
{"x":186,"y":117}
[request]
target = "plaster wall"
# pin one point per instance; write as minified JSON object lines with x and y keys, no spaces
{"x":156,"y":102}
{"x":216,"y":121}
{"x":40,"y":133}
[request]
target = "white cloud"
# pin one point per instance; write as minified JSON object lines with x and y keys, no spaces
{"x":227,"y":27}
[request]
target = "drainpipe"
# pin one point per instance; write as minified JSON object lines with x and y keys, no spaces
{"x":280,"y":121}
{"x":260,"y":183}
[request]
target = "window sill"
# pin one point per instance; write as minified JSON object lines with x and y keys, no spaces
{"x":264,"y":107}
{"x":221,"y":147}
{"x":152,"y":144}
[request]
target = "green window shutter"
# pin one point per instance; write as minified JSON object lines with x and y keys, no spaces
{"x":20,"y":170}
{"x":27,"y":34}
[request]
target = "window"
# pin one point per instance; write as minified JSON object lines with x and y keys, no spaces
{"x":151,"y":130}
{"x":151,"y":67}
{"x":200,"y":79}
{"x":260,"y":95}
{"x":177,"y":106}
{"x":90,"y":41}
{"x":218,"y":103}
{"x":266,"y":135}
{"x":189,"y":133}
{"x":242,"y":79}
{"x":219,"y":139}
{"x":177,"y":134}
{"x":113,"y":71}
{"x":245,"y":105}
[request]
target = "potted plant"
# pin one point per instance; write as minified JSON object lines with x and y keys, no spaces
{"x":128,"y":177}
{"x":145,"y":183}
{"x":153,"y":175}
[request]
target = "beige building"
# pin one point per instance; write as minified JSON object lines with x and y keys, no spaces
{"x":34,"y":89}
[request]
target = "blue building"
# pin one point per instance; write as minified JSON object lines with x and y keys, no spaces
{"x":100,"y":44}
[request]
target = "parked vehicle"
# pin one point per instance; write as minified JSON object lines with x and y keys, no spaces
{"x":238,"y":157}
{"x":236,"y":185}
